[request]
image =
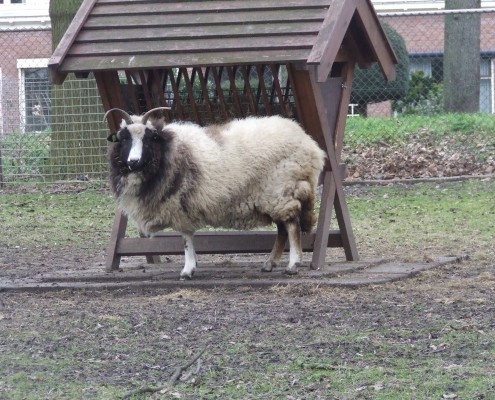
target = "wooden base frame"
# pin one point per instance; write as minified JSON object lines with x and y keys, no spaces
{"x":321,"y":109}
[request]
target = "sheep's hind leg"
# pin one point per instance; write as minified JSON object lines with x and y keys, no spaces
{"x":278,"y":248}
{"x":190,"y":257}
{"x":295,"y":253}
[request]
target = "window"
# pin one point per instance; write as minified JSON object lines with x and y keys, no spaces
{"x":485,"y":85}
{"x":12,"y":1}
{"x":34,"y":95}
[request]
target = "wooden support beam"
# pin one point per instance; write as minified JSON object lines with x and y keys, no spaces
{"x":321,"y":111}
{"x":328,"y":97}
{"x":215,"y":243}
{"x":334,"y":26}
{"x":110,"y":90}
{"x":118,"y":232}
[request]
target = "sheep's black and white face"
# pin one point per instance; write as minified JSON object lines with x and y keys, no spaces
{"x":136,"y":146}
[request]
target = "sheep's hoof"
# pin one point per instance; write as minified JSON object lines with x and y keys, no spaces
{"x":185,"y":276}
{"x":268,"y":266}
{"x":291,"y":270}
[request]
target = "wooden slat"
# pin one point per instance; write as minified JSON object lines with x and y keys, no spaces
{"x":206,"y":32}
{"x":72,"y":64}
{"x":278,"y":91}
{"x":234,"y":92}
{"x":214,"y":243}
{"x":197,"y":45}
{"x":262,"y":90}
{"x":216,"y":73}
{"x":175,"y":88}
{"x":343,"y":108}
{"x":353,"y":44}
{"x":335,"y":26}
{"x":109,"y":87}
{"x":131,"y":87}
{"x":190,"y":94}
{"x":381,"y":47}
{"x":148,"y":7}
{"x":146,"y":91}
{"x":206,"y":95}
{"x":67,"y":40}
{"x":160,"y":76}
{"x":305,"y":104}
{"x":241,"y":17}
{"x":253,"y":107}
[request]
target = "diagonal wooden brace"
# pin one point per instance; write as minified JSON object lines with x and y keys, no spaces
{"x":333,"y":193}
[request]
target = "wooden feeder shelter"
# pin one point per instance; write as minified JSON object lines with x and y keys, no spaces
{"x":214,"y":60}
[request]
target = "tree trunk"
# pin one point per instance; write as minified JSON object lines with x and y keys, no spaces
{"x":461,"y":64}
{"x":78,"y":145}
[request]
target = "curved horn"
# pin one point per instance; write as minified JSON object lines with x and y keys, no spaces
{"x":126,"y":117}
{"x":146,"y":116}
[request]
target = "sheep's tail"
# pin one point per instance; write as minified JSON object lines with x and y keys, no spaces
{"x":307,"y":217}
{"x":306,"y":196}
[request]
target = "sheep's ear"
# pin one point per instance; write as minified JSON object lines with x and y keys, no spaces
{"x":113,"y":138}
{"x":158,"y":123}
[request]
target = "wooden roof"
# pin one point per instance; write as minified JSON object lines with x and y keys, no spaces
{"x":142,"y":34}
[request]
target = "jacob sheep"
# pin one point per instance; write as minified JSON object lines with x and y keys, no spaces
{"x":242,"y":174}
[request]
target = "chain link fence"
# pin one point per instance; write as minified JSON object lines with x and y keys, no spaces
{"x":55,"y":134}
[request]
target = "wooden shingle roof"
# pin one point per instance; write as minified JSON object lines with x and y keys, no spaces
{"x":141,"y":34}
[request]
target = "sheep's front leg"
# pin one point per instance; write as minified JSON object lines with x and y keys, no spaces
{"x":295,"y":253}
{"x":278,"y":248}
{"x":190,"y":257}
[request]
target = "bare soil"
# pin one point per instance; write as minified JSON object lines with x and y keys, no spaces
{"x":79,"y":344}
{"x":130,"y":338}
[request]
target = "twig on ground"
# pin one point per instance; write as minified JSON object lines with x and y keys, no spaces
{"x":179,"y":370}
{"x":174,"y":379}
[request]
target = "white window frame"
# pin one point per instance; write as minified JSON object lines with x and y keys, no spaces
{"x":9,"y":3}
{"x":492,"y":78}
{"x":1,"y":102}
{"x":22,"y":64}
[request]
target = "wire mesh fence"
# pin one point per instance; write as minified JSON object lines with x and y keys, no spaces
{"x":56,"y":134}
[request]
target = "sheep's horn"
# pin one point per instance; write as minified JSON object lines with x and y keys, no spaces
{"x":146,"y":116}
{"x":127,"y":118}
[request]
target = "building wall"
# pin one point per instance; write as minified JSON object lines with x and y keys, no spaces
{"x":18,"y":45}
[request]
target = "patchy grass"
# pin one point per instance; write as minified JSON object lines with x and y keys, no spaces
{"x":55,"y":219}
{"x":463,"y":127}
{"x":423,"y":220}
{"x":429,"y":337}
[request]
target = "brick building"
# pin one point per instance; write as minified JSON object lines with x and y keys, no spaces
{"x":25,"y":43}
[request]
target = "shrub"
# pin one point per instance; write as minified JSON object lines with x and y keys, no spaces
{"x":25,"y":154}
{"x":424,"y":96}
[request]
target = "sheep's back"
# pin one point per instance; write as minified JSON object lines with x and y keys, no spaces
{"x":253,"y":168}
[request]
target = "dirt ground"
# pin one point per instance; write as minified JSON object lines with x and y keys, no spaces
{"x":87,"y":344}
{"x":297,"y":341}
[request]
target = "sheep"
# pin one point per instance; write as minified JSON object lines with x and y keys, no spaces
{"x":242,"y":174}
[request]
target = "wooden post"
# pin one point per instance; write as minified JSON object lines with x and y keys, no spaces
{"x":320,"y":109}
{"x":325,"y":94}
{"x":118,"y":232}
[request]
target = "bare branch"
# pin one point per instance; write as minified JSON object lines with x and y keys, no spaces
{"x":173,"y":379}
